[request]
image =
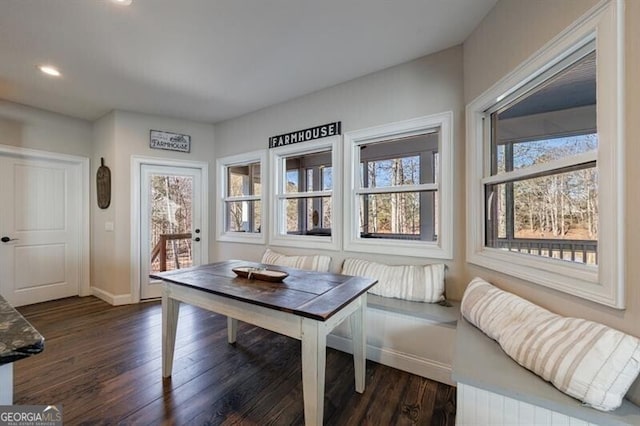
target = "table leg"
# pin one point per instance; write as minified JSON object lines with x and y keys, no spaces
{"x":232,"y":329}
{"x":359,"y":340}
{"x":170,"y":312}
{"x":314,"y":354}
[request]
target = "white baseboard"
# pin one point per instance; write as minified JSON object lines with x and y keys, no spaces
{"x":428,"y":368}
{"x":112,"y":299}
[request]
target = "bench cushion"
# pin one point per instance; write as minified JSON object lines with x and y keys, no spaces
{"x":311,"y":263}
{"x":589,"y":361}
{"x":408,"y":282}
{"x":444,"y":314}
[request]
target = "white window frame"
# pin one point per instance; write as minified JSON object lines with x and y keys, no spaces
{"x":440,"y":249}
{"x":222,"y":165}
{"x":278,"y":235}
{"x":602,"y":284}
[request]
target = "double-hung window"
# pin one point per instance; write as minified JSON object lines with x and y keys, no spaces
{"x":542,"y":191}
{"x":240,"y":191}
{"x":306,"y":184}
{"x":544,"y":166}
{"x":399,"y":188}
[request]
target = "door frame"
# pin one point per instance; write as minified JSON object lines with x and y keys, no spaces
{"x":137,"y":162}
{"x":84,"y":234}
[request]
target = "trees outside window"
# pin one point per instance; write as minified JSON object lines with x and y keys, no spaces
{"x":399,"y":203}
{"x":241,"y":214}
{"x":399,"y":181}
{"x":306,"y":194}
{"x":543,"y":193}
{"x":243,"y":206}
{"x":545,"y":164}
{"x":308,"y":189}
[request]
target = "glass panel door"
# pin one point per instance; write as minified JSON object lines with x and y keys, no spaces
{"x":171,"y":232}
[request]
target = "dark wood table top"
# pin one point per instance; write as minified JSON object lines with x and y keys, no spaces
{"x":317,"y":295}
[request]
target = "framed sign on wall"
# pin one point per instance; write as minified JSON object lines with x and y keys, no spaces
{"x":169,"y":141}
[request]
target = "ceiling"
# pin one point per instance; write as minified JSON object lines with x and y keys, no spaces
{"x":210,"y":60}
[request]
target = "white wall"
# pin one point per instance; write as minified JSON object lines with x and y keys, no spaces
{"x":115,"y":137}
{"x":33,"y":128}
{"x":118,"y":136}
{"x":508,"y":35}
{"x":428,"y":85}
{"x":102,"y":243}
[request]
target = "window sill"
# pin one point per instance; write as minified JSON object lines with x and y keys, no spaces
{"x":574,"y":279}
{"x":308,"y":241}
{"x":399,"y":247}
{"x":242,"y":237}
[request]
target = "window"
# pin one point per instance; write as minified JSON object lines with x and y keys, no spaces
{"x":542,"y":192}
{"x":308,"y":194}
{"x":544,"y":166}
{"x":400,"y":196}
{"x":305,"y":195}
{"x":240,"y":191}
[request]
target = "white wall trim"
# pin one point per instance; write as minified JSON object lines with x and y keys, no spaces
{"x":604,"y":284}
{"x":278,"y":217}
{"x":84,"y":238}
{"x":443,"y":248}
{"x":136,"y":163}
{"x":390,"y":357}
{"x":112,"y":299}
{"x":221,"y":167}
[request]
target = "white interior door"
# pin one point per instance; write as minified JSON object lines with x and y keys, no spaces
{"x":40,"y":229}
{"x":171,"y":222}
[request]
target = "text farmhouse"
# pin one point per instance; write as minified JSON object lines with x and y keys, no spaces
{"x":326,"y":130}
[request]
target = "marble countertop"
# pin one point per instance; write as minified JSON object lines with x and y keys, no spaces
{"x":18,"y":338}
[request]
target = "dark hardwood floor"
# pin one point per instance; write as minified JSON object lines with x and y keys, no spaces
{"x":103,"y":364}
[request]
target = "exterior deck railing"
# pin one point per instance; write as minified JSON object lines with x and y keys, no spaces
{"x":160,"y":249}
{"x":582,"y":251}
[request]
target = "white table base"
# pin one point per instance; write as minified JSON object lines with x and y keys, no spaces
{"x":311,"y":332}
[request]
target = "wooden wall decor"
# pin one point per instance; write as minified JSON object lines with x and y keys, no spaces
{"x":103,"y":185}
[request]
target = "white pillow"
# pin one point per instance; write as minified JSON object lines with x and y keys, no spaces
{"x":311,"y":263}
{"x":586,"y":360}
{"x":408,"y":282}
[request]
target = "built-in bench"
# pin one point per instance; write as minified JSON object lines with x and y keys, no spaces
{"x":411,"y":336}
{"x":493,"y":389}
{"x":408,"y":335}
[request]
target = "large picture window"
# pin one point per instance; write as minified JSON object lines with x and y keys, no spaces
{"x":542,"y":193}
{"x":305,"y":187}
{"x":240,"y":191}
{"x":545,"y":165}
{"x":399,"y":192}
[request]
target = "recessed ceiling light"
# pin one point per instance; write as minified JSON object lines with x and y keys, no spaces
{"x":49,"y":70}
{"x":123,"y":2}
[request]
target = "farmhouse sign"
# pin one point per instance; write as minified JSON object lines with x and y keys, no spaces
{"x":169,"y":141}
{"x":317,"y":132}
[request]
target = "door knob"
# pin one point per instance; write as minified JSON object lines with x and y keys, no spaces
{"x":197,"y":231}
{"x":7,"y":239}
{"x":196,"y":239}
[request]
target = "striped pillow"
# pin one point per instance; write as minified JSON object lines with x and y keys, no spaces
{"x":408,"y":282}
{"x":311,"y":263}
{"x":586,"y":360}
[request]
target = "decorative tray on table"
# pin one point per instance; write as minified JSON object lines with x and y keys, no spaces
{"x":261,"y":274}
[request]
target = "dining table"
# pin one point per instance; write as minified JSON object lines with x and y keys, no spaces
{"x":305,"y":305}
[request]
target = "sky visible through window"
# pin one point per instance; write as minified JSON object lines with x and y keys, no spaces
{"x":526,"y":154}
